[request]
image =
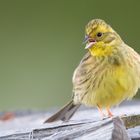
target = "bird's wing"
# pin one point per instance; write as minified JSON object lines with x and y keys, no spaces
{"x":82,"y":77}
{"x":134,"y":61}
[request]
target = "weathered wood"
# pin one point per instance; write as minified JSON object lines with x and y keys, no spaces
{"x":108,"y":128}
{"x":131,"y":121}
{"x":85,"y":124}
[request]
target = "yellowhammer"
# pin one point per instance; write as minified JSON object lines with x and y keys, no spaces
{"x":108,"y":74}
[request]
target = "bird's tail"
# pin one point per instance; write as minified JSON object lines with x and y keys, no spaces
{"x":65,"y":113}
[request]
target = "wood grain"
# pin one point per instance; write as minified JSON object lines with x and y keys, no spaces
{"x":86,"y":124}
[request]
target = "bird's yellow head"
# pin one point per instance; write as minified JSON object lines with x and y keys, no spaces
{"x":100,"y":38}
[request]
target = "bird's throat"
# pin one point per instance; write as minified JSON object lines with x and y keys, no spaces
{"x":100,"y":50}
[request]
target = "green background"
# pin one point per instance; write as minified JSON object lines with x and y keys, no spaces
{"x":41,"y":45}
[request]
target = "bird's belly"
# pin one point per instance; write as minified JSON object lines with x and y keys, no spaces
{"x":117,"y":85}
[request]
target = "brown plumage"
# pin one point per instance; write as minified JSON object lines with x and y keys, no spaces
{"x":65,"y":113}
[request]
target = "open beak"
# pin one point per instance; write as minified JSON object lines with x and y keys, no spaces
{"x":89,"y":42}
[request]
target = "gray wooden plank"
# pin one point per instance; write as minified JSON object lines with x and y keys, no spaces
{"x":86,"y":124}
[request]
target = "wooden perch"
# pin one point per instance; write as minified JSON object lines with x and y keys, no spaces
{"x":85,"y":125}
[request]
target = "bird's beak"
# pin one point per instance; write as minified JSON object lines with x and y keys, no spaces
{"x":89,"y":42}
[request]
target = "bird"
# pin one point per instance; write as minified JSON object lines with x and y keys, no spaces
{"x":108,"y":74}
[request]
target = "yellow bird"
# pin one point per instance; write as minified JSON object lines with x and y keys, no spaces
{"x":108,"y":74}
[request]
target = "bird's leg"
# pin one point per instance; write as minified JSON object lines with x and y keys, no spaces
{"x":109,"y":112}
{"x":100,"y":110}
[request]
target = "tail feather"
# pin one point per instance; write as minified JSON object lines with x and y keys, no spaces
{"x":65,"y":113}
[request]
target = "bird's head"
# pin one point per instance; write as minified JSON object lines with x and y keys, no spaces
{"x":100,"y":38}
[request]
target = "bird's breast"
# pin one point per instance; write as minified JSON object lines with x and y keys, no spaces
{"x":111,"y":85}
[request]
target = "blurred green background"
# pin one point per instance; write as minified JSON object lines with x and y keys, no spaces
{"x":41,"y":45}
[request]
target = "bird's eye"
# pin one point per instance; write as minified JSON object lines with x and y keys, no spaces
{"x":99,"y":34}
